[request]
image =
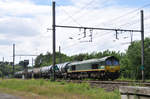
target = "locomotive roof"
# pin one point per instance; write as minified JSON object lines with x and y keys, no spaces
{"x":96,"y":60}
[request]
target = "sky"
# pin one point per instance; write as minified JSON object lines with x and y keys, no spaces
{"x":25,"y":22}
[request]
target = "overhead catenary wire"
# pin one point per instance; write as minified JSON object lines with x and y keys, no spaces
{"x":76,"y":13}
{"x":130,"y":12}
{"x":117,"y":17}
{"x":136,"y":9}
{"x":134,"y":22}
{"x":98,"y":28}
{"x":126,"y":14}
{"x":70,"y":16}
{"x":75,"y":44}
{"x":118,"y":20}
{"x":96,"y":37}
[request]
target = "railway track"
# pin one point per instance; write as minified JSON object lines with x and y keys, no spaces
{"x":110,"y":85}
{"x":110,"y":82}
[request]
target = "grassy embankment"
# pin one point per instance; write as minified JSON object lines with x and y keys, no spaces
{"x":41,"y":89}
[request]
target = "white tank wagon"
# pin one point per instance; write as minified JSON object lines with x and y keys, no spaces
{"x":45,"y":71}
{"x":30,"y":73}
{"x":62,"y":70}
{"x":37,"y":72}
{"x":19,"y":74}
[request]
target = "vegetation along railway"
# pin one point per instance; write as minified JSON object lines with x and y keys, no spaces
{"x":106,"y":68}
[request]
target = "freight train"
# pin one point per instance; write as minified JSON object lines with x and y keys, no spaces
{"x":103,"y":68}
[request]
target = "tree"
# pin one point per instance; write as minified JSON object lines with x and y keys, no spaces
{"x":132,"y":60}
{"x":46,"y":60}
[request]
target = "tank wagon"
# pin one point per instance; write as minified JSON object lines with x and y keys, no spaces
{"x":103,"y":68}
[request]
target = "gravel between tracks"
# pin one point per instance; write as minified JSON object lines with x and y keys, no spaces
{"x":107,"y":87}
{"x":111,"y":86}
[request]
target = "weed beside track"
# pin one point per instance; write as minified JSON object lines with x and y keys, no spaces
{"x":54,"y":90}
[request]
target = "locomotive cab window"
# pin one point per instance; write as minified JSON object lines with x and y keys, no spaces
{"x":115,"y":62}
{"x":73,"y":67}
{"x":94,"y":66}
{"x":109,"y":62}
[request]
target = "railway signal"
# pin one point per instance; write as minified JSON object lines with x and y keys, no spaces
{"x":25,"y":64}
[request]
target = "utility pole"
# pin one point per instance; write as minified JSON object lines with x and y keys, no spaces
{"x":60,"y":55}
{"x":3,"y":59}
{"x":13,"y":59}
{"x":53,"y":37}
{"x":3,"y":69}
{"x":32,"y":68}
{"x":32,"y":61}
{"x":131,"y":36}
{"x":142,"y":44}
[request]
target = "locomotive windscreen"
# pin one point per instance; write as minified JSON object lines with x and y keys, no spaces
{"x":112,"y":62}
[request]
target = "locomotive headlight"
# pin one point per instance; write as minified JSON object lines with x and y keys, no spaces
{"x":102,"y":67}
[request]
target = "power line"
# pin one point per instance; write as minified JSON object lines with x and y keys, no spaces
{"x":79,"y":11}
{"x":93,"y":37}
{"x":131,"y":17}
{"x":109,"y":32}
{"x":116,"y":18}
{"x":70,"y":16}
{"x":133,"y":22}
{"x":126,"y":14}
{"x":80,"y":15}
{"x":75,"y":44}
{"x":97,"y":29}
{"x":130,"y":13}
{"x":25,"y":55}
{"x":105,"y":35}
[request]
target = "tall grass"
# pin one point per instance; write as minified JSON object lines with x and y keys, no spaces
{"x":58,"y":90}
{"x":126,"y":79}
